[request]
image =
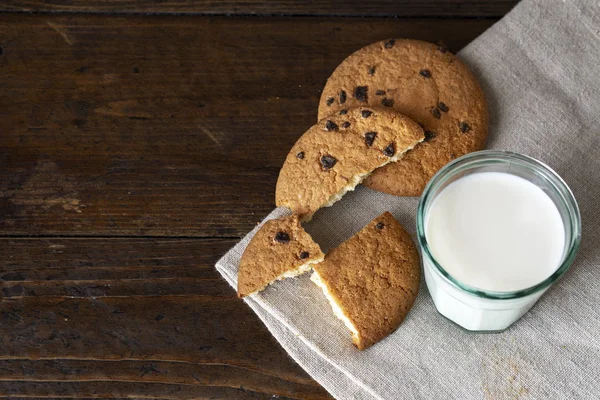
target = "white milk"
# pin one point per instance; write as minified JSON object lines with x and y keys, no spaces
{"x":495,"y":232}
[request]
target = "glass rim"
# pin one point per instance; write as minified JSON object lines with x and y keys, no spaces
{"x":483,"y":158}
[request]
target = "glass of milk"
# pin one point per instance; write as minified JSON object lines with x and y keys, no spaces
{"x":496,"y":230}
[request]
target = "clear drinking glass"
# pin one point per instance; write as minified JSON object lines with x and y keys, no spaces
{"x":472,"y":308}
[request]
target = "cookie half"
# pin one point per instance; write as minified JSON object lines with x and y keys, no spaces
{"x":337,"y":153}
{"x":424,"y":82}
{"x":280,"y":249}
{"x":371,"y":280}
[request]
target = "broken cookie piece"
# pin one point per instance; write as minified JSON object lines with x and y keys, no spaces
{"x":371,"y":280}
{"x":280,"y":249}
{"x":335,"y":161}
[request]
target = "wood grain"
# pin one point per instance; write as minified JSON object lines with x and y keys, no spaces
{"x":165,"y":126}
{"x":121,"y":317}
{"x":399,"y":8}
{"x":46,"y":390}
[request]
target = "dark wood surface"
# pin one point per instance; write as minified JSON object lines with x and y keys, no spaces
{"x":134,"y":151}
{"x":380,"y":8}
{"x":179,"y":129}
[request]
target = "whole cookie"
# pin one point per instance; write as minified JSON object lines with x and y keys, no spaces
{"x":280,"y":249}
{"x":372,"y":279}
{"x":337,"y":153}
{"x":424,"y":82}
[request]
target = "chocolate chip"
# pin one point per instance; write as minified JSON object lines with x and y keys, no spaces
{"x":370,"y":138}
{"x":361,"y":93}
{"x":387,"y":102}
{"x":330,"y":101}
{"x":282,"y":237}
{"x":464,"y":127}
{"x":429,"y":135}
{"x":300,"y":155}
{"x":379,"y":225}
{"x":371,"y":70}
{"x":331,"y":126}
{"x":342,"y":97}
{"x":304,"y":254}
{"x":443,"y":107}
{"x":328,"y":162}
{"x":436,"y":113}
{"x":366,"y":113}
{"x":346,"y":124}
{"x":380,"y":92}
{"x":425,"y":73}
{"x":343,"y":112}
{"x":389,"y":44}
{"x":390,"y":150}
{"x":442,"y":46}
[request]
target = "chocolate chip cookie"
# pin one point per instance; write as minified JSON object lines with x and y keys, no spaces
{"x":371,"y":280}
{"x":337,"y":153}
{"x":425,"y":82}
{"x":280,"y":249}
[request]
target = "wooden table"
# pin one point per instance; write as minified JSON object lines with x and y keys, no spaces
{"x":138,"y":142}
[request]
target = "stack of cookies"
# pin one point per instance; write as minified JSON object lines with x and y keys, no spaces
{"x":390,"y":116}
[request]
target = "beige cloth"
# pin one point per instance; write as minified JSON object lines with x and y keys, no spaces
{"x":540,"y":68}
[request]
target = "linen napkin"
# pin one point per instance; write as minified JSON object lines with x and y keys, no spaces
{"x":540,"y":69}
